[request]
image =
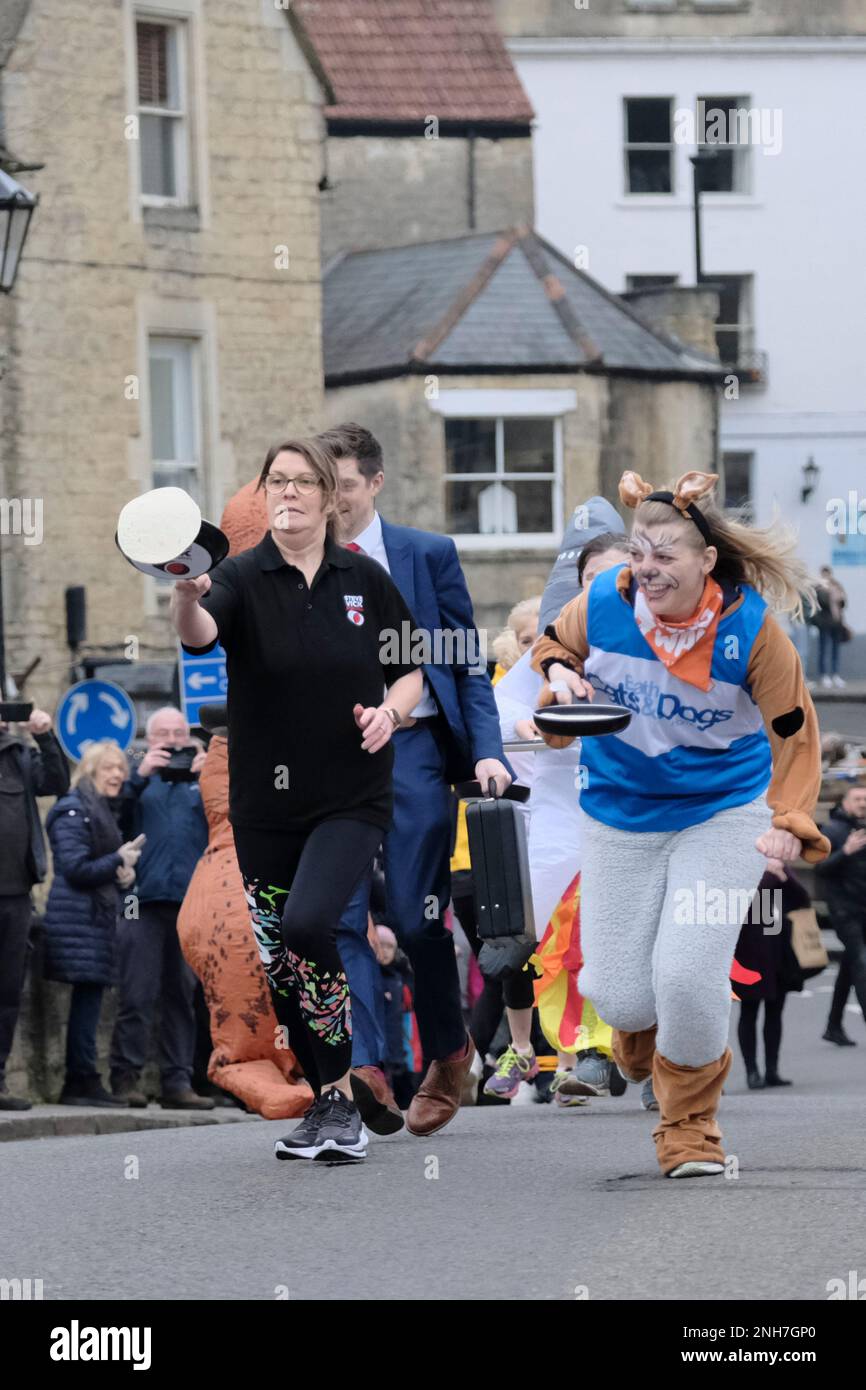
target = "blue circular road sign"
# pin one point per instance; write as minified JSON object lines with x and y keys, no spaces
{"x":93,"y":710}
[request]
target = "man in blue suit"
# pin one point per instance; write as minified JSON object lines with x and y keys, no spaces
{"x":451,"y":736}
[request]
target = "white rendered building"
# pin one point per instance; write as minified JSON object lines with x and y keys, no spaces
{"x":784,"y":234}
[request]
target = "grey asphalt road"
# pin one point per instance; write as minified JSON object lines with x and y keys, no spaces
{"x":528,"y":1203}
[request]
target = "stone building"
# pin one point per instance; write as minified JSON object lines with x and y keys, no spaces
{"x":428,"y":127}
{"x":507,"y":387}
{"x":165,"y":325}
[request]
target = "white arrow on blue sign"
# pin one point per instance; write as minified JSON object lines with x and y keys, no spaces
{"x":203,"y":681}
{"x":93,"y":710}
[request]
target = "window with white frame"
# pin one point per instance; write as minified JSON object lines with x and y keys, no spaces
{"x":723,"y":129}
{"x":649,"y":145}
{"x":735,"y":333}
{"x":737,"y":469}
{"x":501,"y":477}
{"x":175,"y":415}
{"x":163,"y":112}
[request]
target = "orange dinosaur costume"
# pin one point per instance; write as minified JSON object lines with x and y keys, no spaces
{"x":248,"y":1059}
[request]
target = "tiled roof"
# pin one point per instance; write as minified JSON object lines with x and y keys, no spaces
{"x":484,"y":302}
{"x":406,"y":60}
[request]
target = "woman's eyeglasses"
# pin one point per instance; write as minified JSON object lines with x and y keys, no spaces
{"x":305,"y":483}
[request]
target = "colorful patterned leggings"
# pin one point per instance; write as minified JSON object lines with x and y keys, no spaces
{"x":297,"y":884}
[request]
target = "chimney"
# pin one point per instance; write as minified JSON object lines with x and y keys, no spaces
{"x":685,"y":312}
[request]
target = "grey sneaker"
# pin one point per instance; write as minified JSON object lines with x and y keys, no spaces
{"x":648,"y":1096}
{"x":330,"y":1132}
{"x":304,"y":1138}
{"x":591,"y":1075}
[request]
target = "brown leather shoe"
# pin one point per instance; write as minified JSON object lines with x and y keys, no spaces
{"x":437,"y":1099}
{"x":375,"y":1100}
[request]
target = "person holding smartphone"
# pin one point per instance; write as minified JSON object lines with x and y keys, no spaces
{"x":165,"y":804}
{"x":315,"y":692}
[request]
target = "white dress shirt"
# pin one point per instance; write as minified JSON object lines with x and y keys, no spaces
{"x":371,"y":542}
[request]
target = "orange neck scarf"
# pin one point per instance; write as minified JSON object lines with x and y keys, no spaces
{"x":684,"y":648}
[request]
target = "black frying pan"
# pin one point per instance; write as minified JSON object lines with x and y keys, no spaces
{"x":582,"y":719}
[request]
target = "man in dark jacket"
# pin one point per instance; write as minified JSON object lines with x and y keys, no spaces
{"x":25,"y":773}
{"x":843,"y":874}
{"x":151,"y":963}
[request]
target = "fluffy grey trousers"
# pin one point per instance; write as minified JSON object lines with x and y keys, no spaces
{"x":660,"y":914}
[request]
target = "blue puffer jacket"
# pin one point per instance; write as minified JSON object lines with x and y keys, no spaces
{"x":79,"y":926}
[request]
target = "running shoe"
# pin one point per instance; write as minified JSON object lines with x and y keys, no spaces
{"x":511,"y":1068}
{"x":696,"y":1169}
{"x":330,"y":1132}
{"x":591,"y":1075}
{"x":564,"y":1102}
{"x":648,"y":1096}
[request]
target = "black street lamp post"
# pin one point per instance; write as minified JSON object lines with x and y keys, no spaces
{"x":16,"y":210}
{"x":698,"y":162}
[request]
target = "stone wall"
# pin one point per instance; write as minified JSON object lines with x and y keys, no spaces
{"x":684,"y":18}
{"x":99,"y":274}
{"x":388,"y":191}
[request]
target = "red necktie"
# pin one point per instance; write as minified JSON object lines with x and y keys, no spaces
{"x":350,"y":545}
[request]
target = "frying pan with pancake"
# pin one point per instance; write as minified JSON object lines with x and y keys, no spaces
{"x":582,"y":719}
{"x":162,"y":534}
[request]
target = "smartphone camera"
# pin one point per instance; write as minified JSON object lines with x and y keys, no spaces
{"x":179,"y":766}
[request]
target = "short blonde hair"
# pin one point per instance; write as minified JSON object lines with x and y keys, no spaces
{"x":506,"y":647}
{"x":95,"y":755}
{"x":526,"y":608}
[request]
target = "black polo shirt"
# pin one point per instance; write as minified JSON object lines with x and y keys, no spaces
{"x":299,"y":659}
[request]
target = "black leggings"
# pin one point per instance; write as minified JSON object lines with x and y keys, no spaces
{"x":514,"y":992}
{"x":297,"y":884}
{"x":747,"y":1031}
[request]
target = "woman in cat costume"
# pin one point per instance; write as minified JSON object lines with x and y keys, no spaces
{"x":718,"y":770}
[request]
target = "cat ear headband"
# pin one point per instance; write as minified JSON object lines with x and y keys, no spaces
{"x":633,"y":490}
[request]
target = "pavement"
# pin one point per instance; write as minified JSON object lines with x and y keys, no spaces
{"x":47,"y":1121}
{"x":519,"y":1202}
{"x":854,"y":690}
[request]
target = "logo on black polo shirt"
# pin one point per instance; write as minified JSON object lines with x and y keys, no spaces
{"x":355,"y":608}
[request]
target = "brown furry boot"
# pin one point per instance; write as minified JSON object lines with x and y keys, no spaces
{"x":688,"y":1099}
{"x":634,"y":1052}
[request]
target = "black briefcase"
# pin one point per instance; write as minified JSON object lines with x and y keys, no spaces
{"x":500,"y":869}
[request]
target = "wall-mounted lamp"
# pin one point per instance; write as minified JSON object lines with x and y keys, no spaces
{"x":811,"y":474}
